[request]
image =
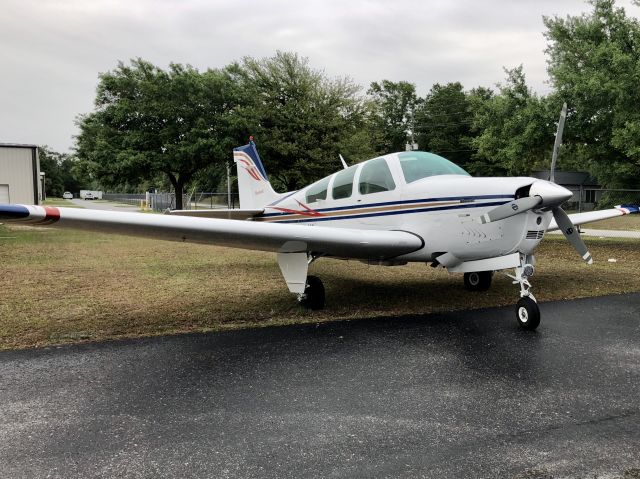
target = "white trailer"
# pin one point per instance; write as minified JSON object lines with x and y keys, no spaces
{"x":90,"y":194}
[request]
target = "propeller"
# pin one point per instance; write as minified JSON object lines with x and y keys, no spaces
{"x":571,"y":233}
{"x":545,"y":194}
{"x":512,"y":208}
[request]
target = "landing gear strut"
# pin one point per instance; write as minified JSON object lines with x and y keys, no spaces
{"x":527,"y":311}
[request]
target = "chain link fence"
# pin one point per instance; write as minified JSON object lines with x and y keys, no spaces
{"x":163,"y":201}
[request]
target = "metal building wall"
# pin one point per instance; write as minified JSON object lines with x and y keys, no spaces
{"x":20,"y":170}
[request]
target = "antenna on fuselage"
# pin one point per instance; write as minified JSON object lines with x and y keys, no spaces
{"x":344,"y":163}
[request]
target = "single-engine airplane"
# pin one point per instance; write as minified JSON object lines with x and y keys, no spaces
{"x":402,"y":207}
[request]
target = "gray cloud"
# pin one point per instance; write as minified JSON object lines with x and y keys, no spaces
{"x":51,"y":51}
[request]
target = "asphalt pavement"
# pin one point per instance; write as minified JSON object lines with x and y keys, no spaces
{"x":453,"y":395}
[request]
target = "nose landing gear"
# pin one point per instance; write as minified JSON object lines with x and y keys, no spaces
{"x":527,"y":310}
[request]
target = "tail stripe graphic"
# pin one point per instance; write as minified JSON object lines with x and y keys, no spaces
{"x":253,"y":184}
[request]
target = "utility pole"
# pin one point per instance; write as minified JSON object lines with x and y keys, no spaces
{"x":228,"y":185}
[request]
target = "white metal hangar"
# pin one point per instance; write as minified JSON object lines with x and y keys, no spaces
{"x":20,"y":180}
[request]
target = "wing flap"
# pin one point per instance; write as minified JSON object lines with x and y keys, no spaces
{"x":337,"y":242}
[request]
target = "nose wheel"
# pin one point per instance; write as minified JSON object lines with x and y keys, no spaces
{"x":528,"y":313}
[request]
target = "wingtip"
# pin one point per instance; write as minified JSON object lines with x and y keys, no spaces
{"x":13,"y":212}
{"x":628,"y":209}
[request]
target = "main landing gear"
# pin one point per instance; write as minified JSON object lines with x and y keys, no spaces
{"x":294,"y":266}
{"x":313,"y":296}
{"x":478,"y":280}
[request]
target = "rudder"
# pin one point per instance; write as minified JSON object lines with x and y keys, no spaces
{"x":253,"y":183}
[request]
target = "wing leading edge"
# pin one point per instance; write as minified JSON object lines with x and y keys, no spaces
{"x":337,"y":242}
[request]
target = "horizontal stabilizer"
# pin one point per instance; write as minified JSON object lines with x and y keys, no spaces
{"x":234,"y":214}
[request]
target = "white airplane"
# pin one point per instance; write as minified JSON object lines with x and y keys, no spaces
{"x":398,"y":208}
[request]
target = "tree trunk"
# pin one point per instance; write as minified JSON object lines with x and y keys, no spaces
{"x":178,"y":186}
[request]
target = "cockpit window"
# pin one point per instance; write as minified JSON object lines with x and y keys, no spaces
{"x":419,"y":164}
{"x":376,"y":177}
{"x":343,"y":183}
{"x":318,"y":190}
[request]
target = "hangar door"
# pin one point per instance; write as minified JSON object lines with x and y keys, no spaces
{"x":4,"y":194}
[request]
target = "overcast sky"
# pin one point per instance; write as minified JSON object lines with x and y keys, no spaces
{"x":51,"y":51}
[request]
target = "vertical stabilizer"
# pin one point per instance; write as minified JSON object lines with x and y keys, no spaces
{"x":253,"y":183}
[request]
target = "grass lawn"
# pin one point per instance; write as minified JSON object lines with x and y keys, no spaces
{"x":62,"y":286}
{"x":60,"y":202}
{"x":627,"y":222}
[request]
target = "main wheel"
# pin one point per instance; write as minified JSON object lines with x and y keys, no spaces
{"x":478,"y":281}
{"x":313,"y":294}
{"x":528,"y":313}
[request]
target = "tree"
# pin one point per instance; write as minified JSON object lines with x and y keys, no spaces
{"x":516,"y":129}
{"x":594,"y":64}
{"x":149,"y":121}
{"x":443,"y":123}
{"x":300,"y":118}
{"x":391,"y":115}
{"x":61,"y":173}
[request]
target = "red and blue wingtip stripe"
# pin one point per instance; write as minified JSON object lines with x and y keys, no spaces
{"x":251,"y":150}
{"x":30,"y":214}
{"x":629,"y":209}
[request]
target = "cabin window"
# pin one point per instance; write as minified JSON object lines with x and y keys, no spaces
{"x":318,"y":190}
{"x":343,"y":183}
{"x":376,"y":177}
{"x":419,"y":164}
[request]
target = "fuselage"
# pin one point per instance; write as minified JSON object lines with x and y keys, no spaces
{"x":421,"y":193}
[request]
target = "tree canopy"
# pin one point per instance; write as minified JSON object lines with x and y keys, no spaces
{"x":149,"y":121}
{"x":594,"y":64}
{"x":179,"y":125}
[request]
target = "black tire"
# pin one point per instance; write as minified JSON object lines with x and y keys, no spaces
{"x":478,"y":281}
{"x":314,"y":294}
{"x":528,"y":313}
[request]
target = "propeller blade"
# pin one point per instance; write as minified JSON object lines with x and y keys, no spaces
{"x":512,"y":208}
{"x":569,"y":231}
{"x":558,"y":142}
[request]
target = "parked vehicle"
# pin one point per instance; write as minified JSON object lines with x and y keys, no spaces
{"x":67,"y":195}
{"x":95,"y":194}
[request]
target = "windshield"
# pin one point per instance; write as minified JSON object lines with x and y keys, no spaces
{"x":419,"y":164}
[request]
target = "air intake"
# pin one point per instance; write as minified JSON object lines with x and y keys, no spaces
{"x":535,"y":234}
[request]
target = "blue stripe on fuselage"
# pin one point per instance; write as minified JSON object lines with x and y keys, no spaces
{"x":12,"y":212}
{"x":391,"y":203}
{"x":389,"y":213}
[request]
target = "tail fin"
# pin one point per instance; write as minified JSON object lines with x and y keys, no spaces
{"x":253,"y":182}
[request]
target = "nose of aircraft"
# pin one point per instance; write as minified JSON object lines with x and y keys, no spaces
{"x":551,"y":194}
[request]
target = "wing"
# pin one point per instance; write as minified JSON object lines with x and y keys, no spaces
{"x":591,"y":216}
{"x":337,"y":242}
